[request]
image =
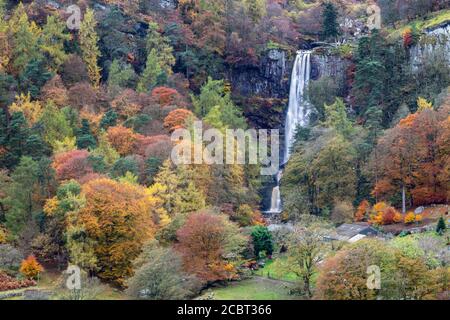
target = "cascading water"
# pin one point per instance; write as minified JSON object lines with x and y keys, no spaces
{"x":297,"y":115}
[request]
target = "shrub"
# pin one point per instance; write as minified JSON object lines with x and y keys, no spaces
{"x":9,"y":283}
{"x":262,"y":240}
{"x":410,"y":218}
{"x":342,"y":212}
{"x":31,"y":268}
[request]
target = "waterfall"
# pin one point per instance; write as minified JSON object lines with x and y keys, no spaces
{"x":298,"y":111}
{"x":297,"y":115}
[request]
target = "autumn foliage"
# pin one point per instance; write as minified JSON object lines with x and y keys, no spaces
{"x":31,"y":268}
{"x":9,"y":283}
{"x":414,"y":155}
{"x":122,"y":139}
{"x":167,"y":96}
{"x":177,"y":119}
{"x":119,"y":211}
{"x":202,"y":242}
{"x":72,"y":165}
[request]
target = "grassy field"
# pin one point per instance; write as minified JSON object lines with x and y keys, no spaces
{"x":256,"y":288}
{"x":274,"y":270}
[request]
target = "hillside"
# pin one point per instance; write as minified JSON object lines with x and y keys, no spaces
{"x":226,"y":149}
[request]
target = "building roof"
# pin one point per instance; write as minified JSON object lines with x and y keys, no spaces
{"x":353,"y":232}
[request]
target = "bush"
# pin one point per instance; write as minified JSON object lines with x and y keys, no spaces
{"x":262,"y":240}
{"x":159,"y":276}
{"x":9,"y":283}
{"x":342,"y":212}
{"x":31,"y":268}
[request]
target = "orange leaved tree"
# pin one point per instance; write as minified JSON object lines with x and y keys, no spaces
{"x":112,"y":226}
{"x":31,"y":268}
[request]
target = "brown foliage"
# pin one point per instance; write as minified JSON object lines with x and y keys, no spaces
{"x":117,"y":216}
{"x":177,"y":119}
{"x":74,"y":71}
{"x":201,"y":243}
{"x":72,"y":165}
{"x":122,"y":139}
{"x":55,"y":91}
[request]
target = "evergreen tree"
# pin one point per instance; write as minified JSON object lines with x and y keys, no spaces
{"x":25,"y":36}
{"x":89,"y":48}
{"x":330,"y":27}
{"x":162,"y":47}
{"x":20,"y":195}
{"x":109,"y":119}
{"x":152,"y":166}
{"x":262,"y":240}
{"x":33,"y":77}
{"x":441,"y":226}
{"x":55,"y":125}
{"x":85,"y":139}
{"x":52,"y":42}
{"x":153,"y":74}
{"x":120,"y":76}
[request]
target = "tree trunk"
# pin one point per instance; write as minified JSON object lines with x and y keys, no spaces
{"x":403,"y":199}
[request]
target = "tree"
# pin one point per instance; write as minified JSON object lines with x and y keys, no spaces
{"x":256,"y":9}
{"x":441,"y":226}
{"x":410,"y":159}
{"x":114,"y":224}
{"x":204,"y":241}
{"x":124,"y":165}
{"x":212,"y":94}
{"x":109,"y":119}
{"x":402,"y":277}
{"x":330,"y":27}
{"x":362,"y":211}
{"x":25,"y":36}
{"x":31,"y":268}
{"x":306,"y":250}
{"x":177,"y":119}
{"x":56,"y":127}
{"x":21,"y":196}
{"x":161,"y":46}
{"x":262,"y":241}
{"x":34,"y":76}
{"x":72,"y":165}
{"x":122,"y":139}
{"x":32,"y":110}
{"x":159,"y":275}
{"x":89,"y":48}
{"x":85,"y":138}
{"x":52,"y":42}
{"x":120,"y":76}
{"x":153,"y":74}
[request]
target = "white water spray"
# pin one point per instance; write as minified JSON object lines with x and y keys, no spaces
{"x":297,"y":115}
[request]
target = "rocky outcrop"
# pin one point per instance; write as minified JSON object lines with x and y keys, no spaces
{"x":270,"y":79}
{"x":327,"y":65}
{"x":436,"y":41}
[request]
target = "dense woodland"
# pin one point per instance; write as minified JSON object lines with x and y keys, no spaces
{"x":85,"y":176}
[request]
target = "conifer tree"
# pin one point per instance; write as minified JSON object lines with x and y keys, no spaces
{"x":330,"y":27}
{"x":52,"y":42}
{"x":89,"y":48}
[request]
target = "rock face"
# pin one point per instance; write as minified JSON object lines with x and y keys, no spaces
{"x":435,"y":41}
{"x":326,"y":65}
{"x":268,"y":80}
